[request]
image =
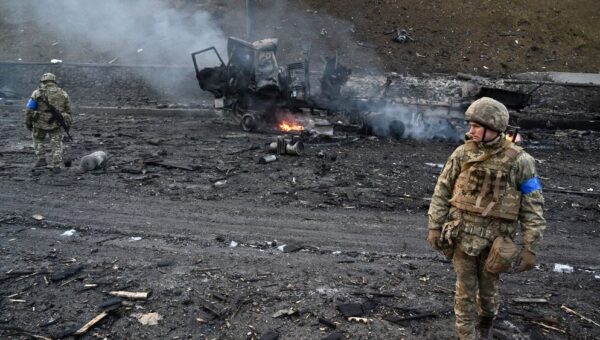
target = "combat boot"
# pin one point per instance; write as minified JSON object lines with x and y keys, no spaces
{"x":41,"y":162}
{"x":485,"y":327}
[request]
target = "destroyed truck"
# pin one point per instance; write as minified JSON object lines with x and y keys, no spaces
{"x":254,"y":88}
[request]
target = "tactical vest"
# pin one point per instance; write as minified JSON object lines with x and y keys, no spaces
{"x":483,"y":187}
{"x":56,"y":97}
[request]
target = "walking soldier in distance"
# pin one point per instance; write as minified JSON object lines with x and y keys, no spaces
{"x":48,"y":113}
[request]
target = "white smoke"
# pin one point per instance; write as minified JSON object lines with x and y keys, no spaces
{"x":419,"y":122}
{"x":147,"y":32}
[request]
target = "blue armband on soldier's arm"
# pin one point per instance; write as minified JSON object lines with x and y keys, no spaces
{"x":32,"y":104}
{"x":530,"y":185}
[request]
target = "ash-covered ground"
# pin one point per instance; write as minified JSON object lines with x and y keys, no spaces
{"x":229,"y":248}
{"x":233,"y":249}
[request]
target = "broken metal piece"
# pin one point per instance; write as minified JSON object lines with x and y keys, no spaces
{"x":284,"y":147}
{"x":111,"y":304}
{"x":327,"y":323}
{"x":360,"y":320}
{"x":351,"y":309}
{"x":400,"y":35}
{"x":267,"y":159}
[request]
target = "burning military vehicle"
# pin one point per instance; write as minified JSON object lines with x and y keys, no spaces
{"x":255,"y":88}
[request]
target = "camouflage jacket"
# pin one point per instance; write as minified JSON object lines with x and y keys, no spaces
{"x":473,"y":231}
{"x":40,"y":115}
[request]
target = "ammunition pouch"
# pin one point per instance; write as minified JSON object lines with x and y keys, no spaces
{"x":502,"y":254}
{"x":486,"y":232}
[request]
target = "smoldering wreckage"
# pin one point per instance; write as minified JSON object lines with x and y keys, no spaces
{"x":313,"y":284}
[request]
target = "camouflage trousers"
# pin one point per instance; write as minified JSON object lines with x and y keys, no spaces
{"x":476,"y":292}
{"x":56,"y":138}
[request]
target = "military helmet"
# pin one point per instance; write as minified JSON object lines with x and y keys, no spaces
{"x":489,"y":113}
{"x":48,"y":77}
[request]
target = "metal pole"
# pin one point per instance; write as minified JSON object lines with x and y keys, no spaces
{"x":250,"y":10}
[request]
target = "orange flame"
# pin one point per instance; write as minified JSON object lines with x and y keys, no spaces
{"x":287,"y":126}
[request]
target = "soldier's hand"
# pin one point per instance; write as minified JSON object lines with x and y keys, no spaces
{"x":525,"y":261}
{"x":433,"y":238}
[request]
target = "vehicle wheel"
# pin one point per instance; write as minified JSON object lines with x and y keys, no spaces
{"x":248,"y":122}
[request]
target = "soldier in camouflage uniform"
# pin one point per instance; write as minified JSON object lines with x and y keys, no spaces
{"x":488,"y":187}
{"x":38,"y":120}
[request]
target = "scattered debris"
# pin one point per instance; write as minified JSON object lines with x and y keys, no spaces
{"x":549,"y":327}
{"x":569,"y":310}
{"x":220,"y":183}
{"x":397,"y":319}
{"x":530,"y":300}
{"x":562,"y":268}
{"x":400,"y":35}
{"x":21,"y":331}
{"x":435,"y":165}
{"x":360,"y":320}
{"x":290,"y":248}
{"x":327,"y":323}
{"x":285,"y":147}
{"x":65,"y":274}
{"x":69,"y":232}
{"x":130,"y":295}
{"x":270,"y":335}
{"x":233,"y":244}
{"x":284,"y":312}
{"x":38,"y":217}
{"x":169,"y":164}
{"x":148,"y":318}
{"x":351,"y":309}
{"x":91,"y":323}
{"x":267,"y":159}
{"x":111,"y":304}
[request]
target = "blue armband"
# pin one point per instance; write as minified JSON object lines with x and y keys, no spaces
{"x":31,"y":104}
{"x":530,"y":185}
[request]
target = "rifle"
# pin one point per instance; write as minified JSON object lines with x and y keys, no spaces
{"x":56,"y":116}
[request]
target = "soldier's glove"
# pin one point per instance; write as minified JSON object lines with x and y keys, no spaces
{"x":525,"y":261}
{"x":68,"y":121}
{"x":29,"y":122}
{"x":434,"y":239}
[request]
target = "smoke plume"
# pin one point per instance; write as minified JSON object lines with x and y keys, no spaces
{"x":145,"y":32}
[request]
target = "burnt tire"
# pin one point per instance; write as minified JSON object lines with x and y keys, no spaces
{"x":248,"y":122}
